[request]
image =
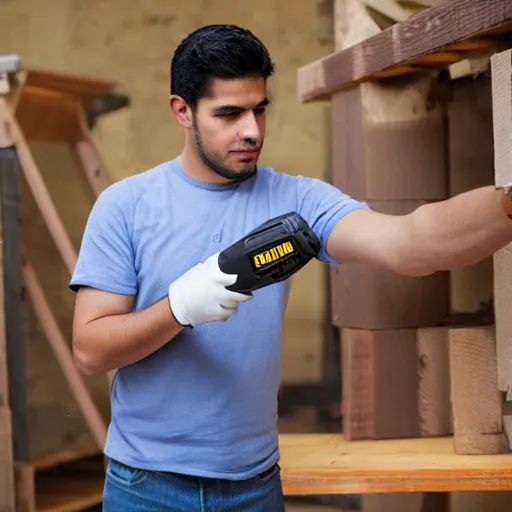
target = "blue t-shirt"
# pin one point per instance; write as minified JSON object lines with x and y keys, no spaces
{"x":206,"y":403}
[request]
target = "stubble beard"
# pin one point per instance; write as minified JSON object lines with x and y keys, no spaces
{"x":216,"y":166}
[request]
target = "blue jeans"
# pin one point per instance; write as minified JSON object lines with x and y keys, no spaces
{"x":135,"y":490}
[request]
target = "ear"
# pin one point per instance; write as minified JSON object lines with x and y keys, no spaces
{"x":181,"y":111}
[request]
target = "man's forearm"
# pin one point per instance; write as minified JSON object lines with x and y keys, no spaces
{"x":460,"y":231}
{"x":119,"y":340}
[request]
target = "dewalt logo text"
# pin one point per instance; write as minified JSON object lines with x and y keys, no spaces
{"x":272,"y":255}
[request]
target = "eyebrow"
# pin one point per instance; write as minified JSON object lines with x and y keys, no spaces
{"x":236,"y":108}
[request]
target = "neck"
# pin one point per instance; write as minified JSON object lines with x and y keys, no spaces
{"x":194,"y":166}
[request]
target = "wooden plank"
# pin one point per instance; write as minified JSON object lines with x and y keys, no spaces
{"x":380,"y":384}
{"x":502,"y":310}
{"x":71,"y":487}
{"x":7,"y":495}
{"x":91,"y":164}
{"x":423,"y":34}
{"x":69,"y":84}
{"x":501,"y":72}
{"x":5,"y":163}
{"x":58,"y":430}
{"x":396,"y":383}
{"x":329,"y":464}
{"x":48,"y":115}
{"x":13,"y":427}
{"x":40,"y":191}
{"x":434,"y":382}
{"x":10,"y":200}
{"x":471,"y":165}
{"x":63,"y":355}
{"x":25,"y":487}
{"x":361,"y":295}
{"x":476,"y":400}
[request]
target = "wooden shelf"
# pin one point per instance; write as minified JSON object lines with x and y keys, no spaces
{"x":70,"y":487}
{"x":328,"y":464}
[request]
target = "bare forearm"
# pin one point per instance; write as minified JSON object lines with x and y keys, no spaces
{"x":460,"y":231}
{"x":119,"y":340}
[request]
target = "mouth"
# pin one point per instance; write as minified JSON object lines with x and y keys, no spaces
{"x":246,"y":155}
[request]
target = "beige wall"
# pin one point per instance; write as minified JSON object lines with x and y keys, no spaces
{"x":133,"y":45}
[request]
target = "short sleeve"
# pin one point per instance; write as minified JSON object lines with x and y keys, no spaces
{"x":322,"y":205}
{"x":106,"y":258}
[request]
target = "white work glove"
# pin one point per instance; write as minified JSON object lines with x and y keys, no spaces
{"x":200,"y":294}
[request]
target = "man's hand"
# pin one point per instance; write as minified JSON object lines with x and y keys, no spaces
{"x":200,"y":295}
{"x":443,"y":235}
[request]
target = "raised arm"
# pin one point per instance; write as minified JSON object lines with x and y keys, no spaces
{"x":444,"y":235}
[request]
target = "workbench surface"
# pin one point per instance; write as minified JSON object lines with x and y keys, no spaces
{"x":327,"y":464}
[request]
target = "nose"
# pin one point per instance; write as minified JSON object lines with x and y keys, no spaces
{"x":250,"y":130}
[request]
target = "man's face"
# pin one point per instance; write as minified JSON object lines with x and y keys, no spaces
{"x":229,"y":126}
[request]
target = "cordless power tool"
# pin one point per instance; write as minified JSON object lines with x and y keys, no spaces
{"x":271,"y":253}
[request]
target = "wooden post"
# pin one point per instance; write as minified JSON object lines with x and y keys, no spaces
{"x":501,"y":72}
{"x":63,"y":355}
{"x":39,"y":190}
{"x":477,"y":409}
{"x":389,"y":150}
{"x":7,"y":352}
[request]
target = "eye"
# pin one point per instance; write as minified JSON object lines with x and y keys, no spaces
{"x":229,"y":114}
{"x":260,"y":110}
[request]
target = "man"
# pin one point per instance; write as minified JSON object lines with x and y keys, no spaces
{"x":194,"y":400}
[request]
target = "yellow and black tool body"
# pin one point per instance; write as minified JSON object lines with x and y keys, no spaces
{"x":271,"y":253}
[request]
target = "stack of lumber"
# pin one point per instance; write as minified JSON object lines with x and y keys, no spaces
{"x":421,"y":111}
{"x":53,"y":177}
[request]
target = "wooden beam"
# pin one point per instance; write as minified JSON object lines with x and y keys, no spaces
{"x":390,"y":142}
{"x":24,"y":476}
{"x":10,"y":200}
{"x":380,"y":384}
{"x":7,"y":495}
{"x":434,"y":402}
{"x":396,"y":383}
{"x":501,"y":76}
{"x":503,"y":313}
{"x":407,"y":46}
{"x":64,"y":357}
{"x":39,"y":190}
{"x":7,"y":484}
{"x":476,"y":400}
{"x":328,"y":464}
{"x":70,"y":84}
{"x":89,"y":158}
{"x":501,"y":72}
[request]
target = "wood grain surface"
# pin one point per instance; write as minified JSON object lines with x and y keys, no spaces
{"x":328,"y":464}
{"x":431,"y":38}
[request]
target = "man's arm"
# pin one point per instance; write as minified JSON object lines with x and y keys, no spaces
{"x":108,"y":335}
{"x":445,"y":235}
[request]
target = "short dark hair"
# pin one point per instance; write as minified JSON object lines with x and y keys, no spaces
{"x":216,"y":51}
